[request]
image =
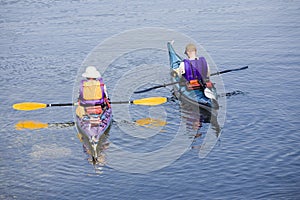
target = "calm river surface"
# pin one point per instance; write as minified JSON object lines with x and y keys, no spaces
{"x":43,"y":45}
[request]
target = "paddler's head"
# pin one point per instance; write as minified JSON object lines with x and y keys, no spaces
{"x":91,"y":73}
{"x":190,"y":50}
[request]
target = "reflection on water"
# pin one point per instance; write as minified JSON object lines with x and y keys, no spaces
{"x":193,"y":127}
{"x":185,"y":127}
{"x":201,"y":122}
{"x":150,"y":122}
{"x":30,"y":124}
{"x":97,"y":159}
{"x":38,"y":152}
{"x":234,"y":93}
{"x":49,"y":151}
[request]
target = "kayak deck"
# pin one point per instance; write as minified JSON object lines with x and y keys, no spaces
{"x":94,"y":127}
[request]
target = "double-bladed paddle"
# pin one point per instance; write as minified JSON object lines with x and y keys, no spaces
{"x":173,"y":83}
{"x":150,"y":101}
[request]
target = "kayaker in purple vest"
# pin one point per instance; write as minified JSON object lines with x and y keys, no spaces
{"x":194,"y":69}
{"x":92,"y":93}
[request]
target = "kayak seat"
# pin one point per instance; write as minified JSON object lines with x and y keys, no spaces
{"x":193,"y":85}
{"x":93,"y":110}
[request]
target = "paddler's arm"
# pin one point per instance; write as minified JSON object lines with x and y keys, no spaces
{"x":208,"y":71}
{"x":180,"y":70}
{"x":105,"y":91}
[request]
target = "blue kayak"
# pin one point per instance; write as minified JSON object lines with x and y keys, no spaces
{"x":195,"y":97}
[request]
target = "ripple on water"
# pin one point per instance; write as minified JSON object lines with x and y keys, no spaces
{"x":49,"y":151}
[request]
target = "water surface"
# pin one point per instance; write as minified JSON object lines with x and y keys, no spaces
{"x":43,"y":46}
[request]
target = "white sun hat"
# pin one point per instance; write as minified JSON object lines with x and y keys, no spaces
{"x":91,"y":72}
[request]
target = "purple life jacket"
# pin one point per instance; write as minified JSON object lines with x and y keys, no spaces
{"x":91,"y":102}
{"x":195,"y":69}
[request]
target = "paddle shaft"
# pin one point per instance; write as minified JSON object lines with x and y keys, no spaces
{"x":114,"y":102}
{"x":158,"y":86}
{"x":228,"y":70}
{"x":72,"y":104}
{"x":122,"y":102}
{"x":60,"y":104}
{"x":167,"y":84}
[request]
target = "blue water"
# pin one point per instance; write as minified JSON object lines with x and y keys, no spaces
{"x":257,"y":157}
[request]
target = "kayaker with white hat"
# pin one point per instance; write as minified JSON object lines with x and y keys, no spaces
{"x":92,"y":93}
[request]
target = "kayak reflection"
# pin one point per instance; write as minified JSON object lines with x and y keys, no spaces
{"x":96,"y":155}
{"x":204,"y":126}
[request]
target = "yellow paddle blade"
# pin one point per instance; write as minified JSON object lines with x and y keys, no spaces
{"x":151,"y":101}
{"x":30,"y":125}
{"x":29,"y":106}
{"x":151,"y":122}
